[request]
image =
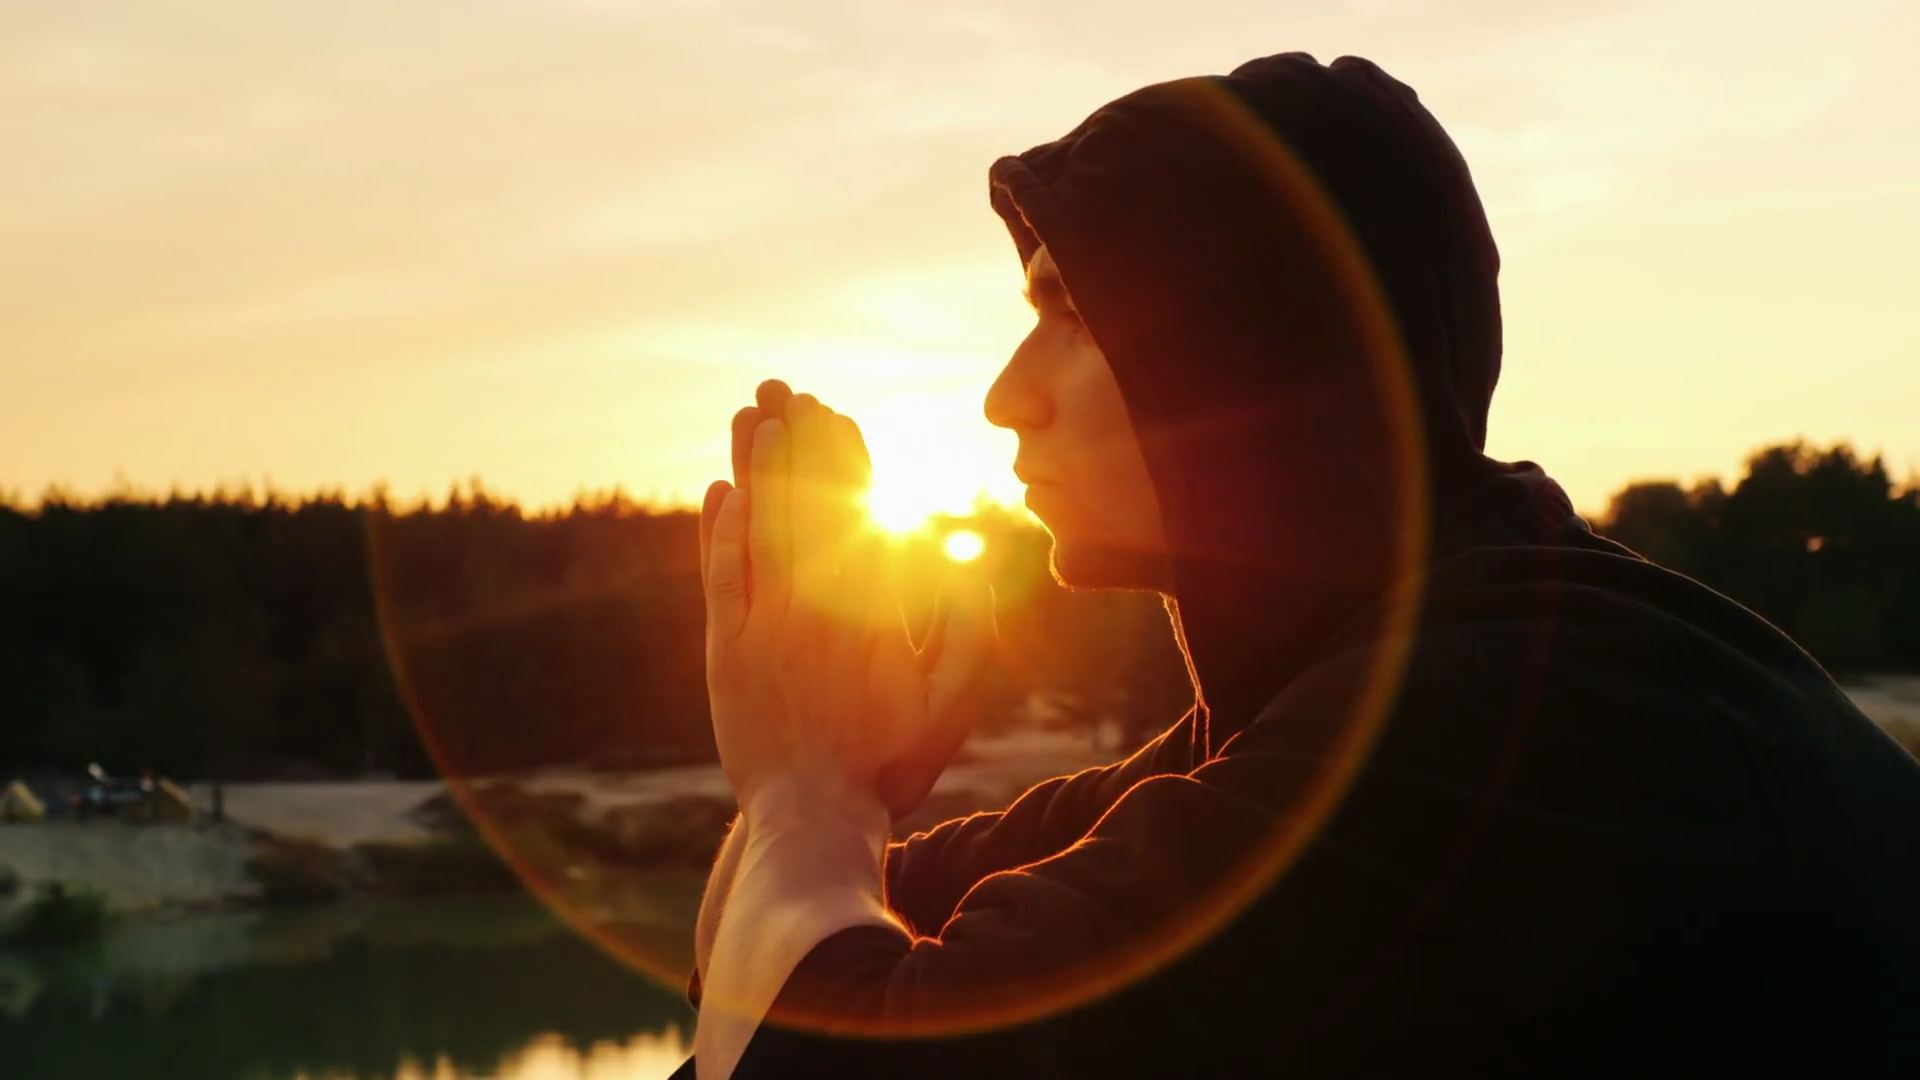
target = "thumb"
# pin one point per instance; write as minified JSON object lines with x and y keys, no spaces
{"x":726,"y":583}
{"x":958,"y":651}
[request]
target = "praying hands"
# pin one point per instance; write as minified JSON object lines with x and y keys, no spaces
{"x":829,"y":724}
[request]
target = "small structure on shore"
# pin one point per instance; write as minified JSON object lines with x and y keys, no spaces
{"x":163,"y":800}
{"x":17,"y":803}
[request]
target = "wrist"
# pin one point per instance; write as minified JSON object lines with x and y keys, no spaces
{"x":812,"y":804}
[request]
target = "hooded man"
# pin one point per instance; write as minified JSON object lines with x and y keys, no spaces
{"x":1465,"y":790}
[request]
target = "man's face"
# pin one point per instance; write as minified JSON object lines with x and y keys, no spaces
{"x":1086,"y":478}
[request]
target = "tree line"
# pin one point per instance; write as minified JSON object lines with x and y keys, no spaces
{"x":234,"y":636}
{"x":1818,"y":541}
{"x":241,"y":636}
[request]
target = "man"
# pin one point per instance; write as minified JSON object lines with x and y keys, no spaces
{"x":1466,"y":790}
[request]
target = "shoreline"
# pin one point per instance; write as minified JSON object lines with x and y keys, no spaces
{"x":590,"y":836}
{"x":345,"y":841}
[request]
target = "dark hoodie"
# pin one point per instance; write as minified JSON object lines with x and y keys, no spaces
{"x":1466,"y":790}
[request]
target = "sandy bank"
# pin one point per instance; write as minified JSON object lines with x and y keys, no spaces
{"x":1893,"y":702}
{"x":145,"y":868}
{"x":345,"y":813}
{"x":160,"y":867}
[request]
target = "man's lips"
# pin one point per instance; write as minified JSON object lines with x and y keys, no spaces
{"x":1040,"y":496}
{"x":1031,"y":477}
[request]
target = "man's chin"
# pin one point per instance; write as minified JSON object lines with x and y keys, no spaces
{"x":1087,"y":566}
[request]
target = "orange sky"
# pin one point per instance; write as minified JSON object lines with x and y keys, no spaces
{"x":555,"y":242}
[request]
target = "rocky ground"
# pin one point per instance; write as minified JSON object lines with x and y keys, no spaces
{"x":138,"y":867}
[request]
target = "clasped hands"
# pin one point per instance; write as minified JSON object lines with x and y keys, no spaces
{"x":814,"y":684}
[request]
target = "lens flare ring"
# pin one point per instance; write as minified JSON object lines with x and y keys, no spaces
{"x":1235,"y":124}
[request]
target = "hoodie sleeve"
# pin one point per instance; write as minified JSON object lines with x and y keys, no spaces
{"x":1128,"y":876}
{"x":1017,"y":928}
{"x":929,"y":872}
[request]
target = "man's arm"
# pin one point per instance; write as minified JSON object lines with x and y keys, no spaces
{"x":714,"y":901}
{"x":805,"y":923}
{"x":929,"y":872}
{"x":1015,"y":935}
{"x":808,"y":868}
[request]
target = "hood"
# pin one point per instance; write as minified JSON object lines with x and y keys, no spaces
{"x":1291,"y":274}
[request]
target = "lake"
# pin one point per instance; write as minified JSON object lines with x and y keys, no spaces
{"x":435,"y":990}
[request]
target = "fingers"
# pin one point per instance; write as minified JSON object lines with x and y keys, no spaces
{"x":966,"y":640}
{"x":855,"y":461}
{"x":798,"y":534}
{"x":868,"y":601}
{"x":965,"y":626}
{"x":709,"y":512}
{"x":815,"y":488}
{"x":769,"y":526}
{"x":726,"y":586}
{"x":744,"y":423}
{"x":772,"y":396}
{"x":863,"y":557}
{"x":867,"y":594}
{"x":770,"y":403}
{"x":831,"y":564}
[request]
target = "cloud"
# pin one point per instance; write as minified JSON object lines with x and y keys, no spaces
{"x":69,"y":67}
{"x":1615,"y":105}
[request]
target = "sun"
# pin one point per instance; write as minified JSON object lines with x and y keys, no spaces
{"x":963,"y":545}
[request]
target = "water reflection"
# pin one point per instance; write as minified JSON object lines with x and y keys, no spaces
{"x":646,"y":1057}
{"x":433,"y":991}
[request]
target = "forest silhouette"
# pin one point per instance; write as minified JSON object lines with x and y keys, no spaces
{"x":243,"y":636}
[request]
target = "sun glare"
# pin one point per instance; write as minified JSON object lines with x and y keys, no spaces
{"x":898,"y":513}
{"x":963,"y":545}
{"x":933,"y":456}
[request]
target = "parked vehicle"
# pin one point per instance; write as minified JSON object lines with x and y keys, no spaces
{"x":107,"y":796}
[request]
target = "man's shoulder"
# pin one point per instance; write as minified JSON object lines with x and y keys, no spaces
{"x":1580,"y":608}
{"x":1555,"y":642}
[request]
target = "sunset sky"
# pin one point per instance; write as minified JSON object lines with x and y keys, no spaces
{"x":554,"y":243}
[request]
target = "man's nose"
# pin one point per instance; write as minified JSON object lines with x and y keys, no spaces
{"x":1017,"y":400}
